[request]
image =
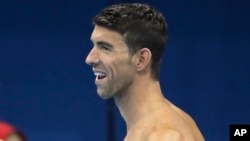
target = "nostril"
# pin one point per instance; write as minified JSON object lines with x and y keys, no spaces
{"x":92,"y":64}
{"x":92,"y":61}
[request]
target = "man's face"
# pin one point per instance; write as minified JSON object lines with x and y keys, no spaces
{"x":111,"y":62}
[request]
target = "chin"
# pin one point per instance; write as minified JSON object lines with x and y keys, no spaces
{"x":104,"y":95}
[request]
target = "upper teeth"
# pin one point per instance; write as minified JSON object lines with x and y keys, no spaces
{"x":99,"y":74}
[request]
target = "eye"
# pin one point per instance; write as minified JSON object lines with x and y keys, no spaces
{"x":105,"y":48}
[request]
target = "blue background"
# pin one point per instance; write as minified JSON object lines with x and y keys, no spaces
{"x":48,"y":91}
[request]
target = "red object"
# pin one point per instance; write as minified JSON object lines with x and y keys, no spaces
{"x":5,"y":130}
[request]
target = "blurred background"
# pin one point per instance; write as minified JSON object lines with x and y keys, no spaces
{"x":48,"y":91}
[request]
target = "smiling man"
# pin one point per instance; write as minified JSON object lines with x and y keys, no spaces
{"x":128,"y":42}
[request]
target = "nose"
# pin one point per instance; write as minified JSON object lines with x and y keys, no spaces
{"x":92,"y":58}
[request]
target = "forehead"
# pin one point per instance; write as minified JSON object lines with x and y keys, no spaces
{"x":103,"y":34}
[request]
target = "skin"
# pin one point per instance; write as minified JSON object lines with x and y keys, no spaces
{"x":13,"y":137}
{"x":149,"y":116}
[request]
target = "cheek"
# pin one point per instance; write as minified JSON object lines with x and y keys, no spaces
{"x":120,"y":66}
{"x":124,"y":70}
{"x":123,"y":64}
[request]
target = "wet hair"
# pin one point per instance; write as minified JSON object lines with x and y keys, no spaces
{"x":141,"y":27}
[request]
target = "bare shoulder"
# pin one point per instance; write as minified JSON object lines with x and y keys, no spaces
{"x":165,"y":135}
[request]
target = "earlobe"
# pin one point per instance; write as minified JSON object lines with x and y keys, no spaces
{"x":143,"y":59}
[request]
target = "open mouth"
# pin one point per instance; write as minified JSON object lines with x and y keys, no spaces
{"x":100,"y":75}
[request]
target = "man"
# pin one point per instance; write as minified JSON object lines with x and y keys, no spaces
{"x":10,"y":133}
{"x":128,"y":41}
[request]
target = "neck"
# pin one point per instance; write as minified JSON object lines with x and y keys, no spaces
{"x":139,"y":101}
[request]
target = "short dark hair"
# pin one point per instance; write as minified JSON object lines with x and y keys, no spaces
{"x":140,"y":25}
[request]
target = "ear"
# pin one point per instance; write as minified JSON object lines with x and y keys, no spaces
{"x":143,"y":59}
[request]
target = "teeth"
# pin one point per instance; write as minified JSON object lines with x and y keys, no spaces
{"x":100,"y":74}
